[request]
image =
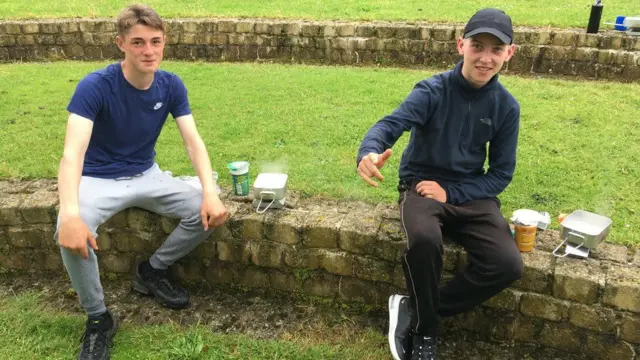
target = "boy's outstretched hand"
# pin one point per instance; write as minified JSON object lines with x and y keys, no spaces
{"x":370,"y":166}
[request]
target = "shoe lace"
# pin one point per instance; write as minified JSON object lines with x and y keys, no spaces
{"x":164,"y":281}
{"x":95,"y":338}
{"x":424,"y":348}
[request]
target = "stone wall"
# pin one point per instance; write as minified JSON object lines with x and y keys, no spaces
{"x":351,"y":251}
{"x":543,"y":51}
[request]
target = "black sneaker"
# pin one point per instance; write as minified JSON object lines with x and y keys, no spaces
{"x":96,"y":339}
{"x":424,"y":348}
{"x":399,"y":327}
{"x":150,"y":281}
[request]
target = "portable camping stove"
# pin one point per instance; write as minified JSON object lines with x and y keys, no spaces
{"x":581,"y":232}
{"x":269,"y":191}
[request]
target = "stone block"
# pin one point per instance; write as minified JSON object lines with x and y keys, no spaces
{"x":490,"y":324}
{"x":52,"y":261}
{"x":585,"y":54}
{"x":538,"y":272}
{"x":129,"y":240}
{"x":219,"y":39}
{"x":231,"y":250}
{"x":121,"y":263}
{"x":267,"y":254}
{"x":526,"y":328}
{"x":560,"y":336}
{"x":284,"y":226}
{"x":596,"y":318}
{"x":68,"y":39}
{"x":543,"y":307}
{"x":69,"y":27}
{"x":623,"y":288}
{"x":26,"y":237}
{"x":74,"y":51}
{"x":47,"y":39}
{"x":103,"y":240}
{"x":520,"y":38}
{"x":312,"y":30}
{"x":364,"y":30}
{"x":168,"y":224}
{"x":398,"y":277}
{"x":589,"y":40}
{"x":540,"y":37}
{"x":105,"y":26}
{"x":346,"y":29}
{"x":407,"y":32}
{"x":22,"y":260}
{"x":600,"y":346}
{"x":226,"y":26}
{"x":87,"y":26}
{"x":190,"y":272}
{"x":255,"y":278}
{"x":351,"y":289}
{"x":222,"y":273}
{"x":613,"y":42}
{"x":143,"y":220}
{"x":10,"y":28}
{"x":425,"y":33}
{"x":119,"y":220}
{"x":636,"y":258}
{"x":189,"y":38}
{"x":564,"y":38}
{"x":340,"y":43}
{"x":263,"y":28}
{"x":39,"y":207}
{"x":7,"y":40}
{"x":443,"y":33}
{"x":578,"y":280}
{"x":208,"y":249}
{"x":30,"y":28}
{"x":358,"y":232}
{"x":48,"y":27}
{"x":395,"y":44}
{"x":320,"y":284}
{"x":385,"y":32}
{"x":245,"y":26}
{"x":284,"y":281}
{"x":300,"y":257}
{"x":9,"y":209}
{"x":322,"y":229}
{"x":630,"y":328}
{"x":368,"y":268}
{"x":335,"y":261}
{"x":293,"y":29}
{"x":252,"y":226}
{"x":507,"y":299}
{"x":610,"y":252}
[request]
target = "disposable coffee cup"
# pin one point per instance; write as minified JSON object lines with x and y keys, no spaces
{"x":525,"y":223}
{"x":239,"y":171}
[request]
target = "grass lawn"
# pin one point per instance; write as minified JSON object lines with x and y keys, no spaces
{"x":30,"y":330}
{"x":577,"y":150}
{"x":568,"y":13}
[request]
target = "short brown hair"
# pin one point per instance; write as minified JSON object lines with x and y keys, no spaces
{"x":138,"y":15}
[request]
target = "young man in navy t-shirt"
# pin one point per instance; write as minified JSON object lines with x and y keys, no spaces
{"x":116,"y":115}
{"x":444,"y":188}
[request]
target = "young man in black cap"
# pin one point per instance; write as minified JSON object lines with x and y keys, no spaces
{"x":444,"y":187}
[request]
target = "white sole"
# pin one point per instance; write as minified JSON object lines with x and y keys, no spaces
{"x":394,"y":303}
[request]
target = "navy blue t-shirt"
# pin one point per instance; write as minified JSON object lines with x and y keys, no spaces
{"x":126,"y":121}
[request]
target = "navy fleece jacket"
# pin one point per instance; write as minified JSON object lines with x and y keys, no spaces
{"x":451,"y":123}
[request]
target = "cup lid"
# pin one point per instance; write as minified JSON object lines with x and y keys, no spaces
{"x":526,"y":217}
{"x":238,"y":167}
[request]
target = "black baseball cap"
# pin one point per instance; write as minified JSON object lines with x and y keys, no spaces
{"x":490,"y":21}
